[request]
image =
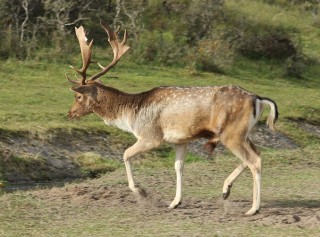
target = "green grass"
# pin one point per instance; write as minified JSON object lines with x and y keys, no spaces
{"x":35,"y":96}
{"x":95,"y":165}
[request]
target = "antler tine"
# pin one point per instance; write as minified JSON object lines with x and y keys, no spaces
{"x":119,"y":49}
{"x":118,"y":30}
{"x":70,"y":80}
{"x":125,"y":37}
{"x":86,"y":50}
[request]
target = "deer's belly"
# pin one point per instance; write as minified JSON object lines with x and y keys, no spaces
{"x":176,"y":136}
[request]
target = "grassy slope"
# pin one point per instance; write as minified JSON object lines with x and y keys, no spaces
{"x":36,"y":96}
{"x":292,"y":18}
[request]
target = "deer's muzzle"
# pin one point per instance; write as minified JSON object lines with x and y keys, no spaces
{"x":71,"y":115}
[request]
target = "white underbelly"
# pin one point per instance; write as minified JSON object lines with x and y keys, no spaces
{"x":175,"y":136}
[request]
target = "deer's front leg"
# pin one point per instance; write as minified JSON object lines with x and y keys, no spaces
{"x":181,"y":151}
{"x":139,"y":147}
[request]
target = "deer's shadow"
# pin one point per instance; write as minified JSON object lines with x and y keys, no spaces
{"x":289,"y":203}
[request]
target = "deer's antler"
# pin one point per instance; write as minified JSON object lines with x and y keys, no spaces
{"x":119,"y":49}
{"x":86,"y":50}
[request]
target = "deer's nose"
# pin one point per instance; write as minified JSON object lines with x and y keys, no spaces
{"x":71,"y":115}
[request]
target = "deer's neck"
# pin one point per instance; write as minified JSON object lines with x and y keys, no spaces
{"x":118,"y":108}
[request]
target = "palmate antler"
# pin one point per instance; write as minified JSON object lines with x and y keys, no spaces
{"x":119,"y":49}
{"x":86,"y":50}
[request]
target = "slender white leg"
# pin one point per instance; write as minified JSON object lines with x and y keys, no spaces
{"x":256,"y":174}
{"x":231,"y":178}
{"x":139,"y":147}
{"x":258,"y":180}
{"x":181,"y":151}
{"x":250,"y":158}
{"x":130,"y":176}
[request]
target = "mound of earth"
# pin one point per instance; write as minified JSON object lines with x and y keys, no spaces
{"x":52,"y":156}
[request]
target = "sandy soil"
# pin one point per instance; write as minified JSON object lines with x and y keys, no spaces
{"x":101,"y":194}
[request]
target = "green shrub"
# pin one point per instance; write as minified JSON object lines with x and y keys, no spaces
{"x":213,"y":55}
{"x":270,"y":46}
{"x":296,"y":65}
{"x":158,"y":47}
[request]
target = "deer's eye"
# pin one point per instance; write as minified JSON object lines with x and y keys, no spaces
{"x":78,"y":97}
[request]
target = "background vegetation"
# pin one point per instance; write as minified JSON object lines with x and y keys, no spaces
{"x":210,"y":35}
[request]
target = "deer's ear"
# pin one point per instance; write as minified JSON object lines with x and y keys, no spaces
{"x":85,"y":90}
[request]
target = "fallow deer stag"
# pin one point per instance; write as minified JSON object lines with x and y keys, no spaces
{"x":175,"y":115}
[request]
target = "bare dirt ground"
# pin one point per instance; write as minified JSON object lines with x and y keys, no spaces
{"x":279,"y":209}
{"x":219,"y":210}
{"x":290,"y":195}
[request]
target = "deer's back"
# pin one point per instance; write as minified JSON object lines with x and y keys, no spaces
{"x":181,"y":114}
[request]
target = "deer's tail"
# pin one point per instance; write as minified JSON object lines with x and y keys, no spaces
{"x":273,"y":114}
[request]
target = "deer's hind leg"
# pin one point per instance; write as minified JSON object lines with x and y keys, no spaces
{"x":242,"y":148}
{"x":231,"y":178}
{"x":235,"y":174}
{"x":253,"y":146}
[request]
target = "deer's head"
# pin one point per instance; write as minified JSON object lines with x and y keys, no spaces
{"x":85,"y":99}
{"x":87,"y":90}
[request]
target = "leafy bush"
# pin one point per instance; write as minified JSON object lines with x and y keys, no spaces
{"x":270,"y":46}
{"x":201,"y":17}
{"x":292,"y":2}
{"x":200,"y":34}
{"x":158,"y":47}
{"x":296,"y":65}
{"x":214,"y":55}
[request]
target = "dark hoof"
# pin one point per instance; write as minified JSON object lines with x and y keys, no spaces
{"x":226,"y":195}
{"x":177,"y":205}
{"x":142,"y":192}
